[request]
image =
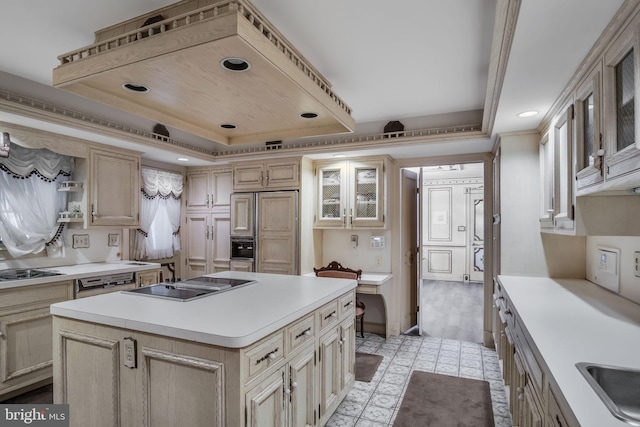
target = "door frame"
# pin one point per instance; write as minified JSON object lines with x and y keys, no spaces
{"x":487,"y":160}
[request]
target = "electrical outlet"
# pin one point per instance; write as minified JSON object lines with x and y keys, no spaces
{"x":354,"y":240}
{"x":130,"y":360}
{"x":114,"y":239}
{"x":80,"y":241}
{"x":378,"y":260}
{"x":636,"y":267}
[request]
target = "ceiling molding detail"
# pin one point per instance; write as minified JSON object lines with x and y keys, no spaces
{"x":504,"y":29}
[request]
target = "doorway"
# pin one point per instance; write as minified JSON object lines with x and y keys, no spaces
{"x":451,"y":246}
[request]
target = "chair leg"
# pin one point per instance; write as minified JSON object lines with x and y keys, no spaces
{"x":362,"y":326}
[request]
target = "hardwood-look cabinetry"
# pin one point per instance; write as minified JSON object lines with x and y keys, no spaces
{"x":114,"y":188}
{"x":293,"y":377}
{"x":282,"y":174}
{"x":207,"y":221}
{"x":350,"y":194}
{"x":532,"y":401}
{"x":25,"y":335}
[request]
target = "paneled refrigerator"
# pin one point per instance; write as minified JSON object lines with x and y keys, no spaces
{"x":264,"y":232}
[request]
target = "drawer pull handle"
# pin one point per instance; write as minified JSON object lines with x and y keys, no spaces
{"x":269,"y":356}
{"x":333,"y":314}
{"x":508,"y":312}
{"x":348,"y":304}
{"x":558,"y":421}
{"x":306,"y":333}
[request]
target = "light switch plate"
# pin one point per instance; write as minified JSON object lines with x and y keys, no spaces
{"x":377,"y":242}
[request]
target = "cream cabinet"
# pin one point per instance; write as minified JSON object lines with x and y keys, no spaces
{"x":588,"y":130}
{"x":294,"y":377}
{"x":114,"y":188}
{"x":208,"y":247}
{"x":208,"y":189}
{"x":147,"y":278}
{"x":350,"y":194}
{"x":206,"y":236}
{"x":270,"y":175}
{"x":25,"y":335}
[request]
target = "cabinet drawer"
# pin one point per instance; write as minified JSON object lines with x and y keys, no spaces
{"x":346,"y":305}
{"x":300,"y":332}
{"x":262,"y":355}
{"x":328,"y":315}
{"x":35,"y":295}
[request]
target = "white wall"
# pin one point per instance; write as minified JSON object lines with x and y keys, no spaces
{"x":524,"y":250}
{"x":629,"y":283}
{"x":98,"y":251}
{"x":336,"y":246}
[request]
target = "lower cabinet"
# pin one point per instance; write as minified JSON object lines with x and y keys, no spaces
{"x":25,"y":335}
{"x":147,"y":278}
{"x":532,"y":400}
{"x":295,"y":377}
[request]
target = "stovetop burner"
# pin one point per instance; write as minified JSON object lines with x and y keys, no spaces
{"x":191,"y":289}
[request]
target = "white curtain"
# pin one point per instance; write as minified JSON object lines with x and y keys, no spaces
{"x":159,"y":233}
{"x":30,"y":201}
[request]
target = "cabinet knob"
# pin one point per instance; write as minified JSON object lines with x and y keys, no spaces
{"x":2,"y":335}
{"x":287,"y":391}
{"x":521,"y":397}
{"x":294,"y":385}
{"x":307,"y":333}
{"x":272,"y":356}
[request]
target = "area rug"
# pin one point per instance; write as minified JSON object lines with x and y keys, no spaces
{"x":445,"y":401}
{"x":366,"y":366}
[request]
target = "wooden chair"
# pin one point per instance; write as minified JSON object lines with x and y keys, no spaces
{"x":335,"y":269}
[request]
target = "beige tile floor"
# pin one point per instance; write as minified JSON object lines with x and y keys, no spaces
{"x":376,"y":403}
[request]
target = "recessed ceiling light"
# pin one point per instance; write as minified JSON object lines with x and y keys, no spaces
{"x":309,"y":115}
{"x":525,"y":114}
{"x":227,"y":126}
{"x":339,"y":156}
{"x":235,"y":64}
{"x":135,"y":87}
{"x":182,"y":159}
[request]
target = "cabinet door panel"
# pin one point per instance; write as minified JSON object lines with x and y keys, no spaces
{"x":221,"y":189}
{"x":248,"y":177}
{"x":367,"y":186}
{"x":332,"y":196}
{"x":330,"y":374}
{"x":25,"y":347}
{"x":242,"y":211}
{"x":221,"y":242}
{"x":564,"y":171}
{"x":197,"y":191}
{"x":302,"y":381}
{"x":115,"y":189}
{"x":265,"y":404}
{"x":198,"y":244}
{"x":282,"y":175}
{"x":347,"y":349}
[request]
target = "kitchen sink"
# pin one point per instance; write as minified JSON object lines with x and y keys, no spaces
{"x":25,"y":273}
{"x":617,"y":387}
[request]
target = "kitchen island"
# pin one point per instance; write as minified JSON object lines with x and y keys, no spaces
{"x":277,"y":352}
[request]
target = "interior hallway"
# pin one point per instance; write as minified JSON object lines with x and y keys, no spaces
{"x":452,"y":310}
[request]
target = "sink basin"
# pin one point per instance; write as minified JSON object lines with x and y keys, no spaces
{"x":617,"y":387}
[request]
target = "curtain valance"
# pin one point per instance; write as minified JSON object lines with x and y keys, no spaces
{"x":155,"y":182}
{"x":24,"y":162}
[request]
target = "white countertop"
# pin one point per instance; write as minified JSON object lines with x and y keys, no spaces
{"x":576,"y":321}
{"x":376,"y":279}
{"x":235,"y":318}
{"x":82,"y":271}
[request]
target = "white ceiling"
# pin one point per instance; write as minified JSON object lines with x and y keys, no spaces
{"x":423,"y":62}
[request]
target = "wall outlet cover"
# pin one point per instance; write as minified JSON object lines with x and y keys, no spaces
{"x":114,"y":239}
{"x":607,"y":268}
{"x":80,"y":241}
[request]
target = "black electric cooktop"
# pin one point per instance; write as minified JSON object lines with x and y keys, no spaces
{"x":191,"y":289}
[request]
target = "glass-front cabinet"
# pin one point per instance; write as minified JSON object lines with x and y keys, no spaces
{"x":350,"y":194}
{"x":621,"y":90}
{"x":589,"y":150}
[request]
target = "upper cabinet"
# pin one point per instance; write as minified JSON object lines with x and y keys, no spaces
{"x":208,"y":189}
{"x":621,"y":86}
{"x":350,"y":194}
{"x":114,"y":188}
{"x":590,"y":149}
{"x":277,"y":174}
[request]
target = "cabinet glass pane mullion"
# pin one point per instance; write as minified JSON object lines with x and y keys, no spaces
{"x":366,"y":193}
{"x":625,"y":104}
{"x":588,"y":142}
{"x":330,"y":197}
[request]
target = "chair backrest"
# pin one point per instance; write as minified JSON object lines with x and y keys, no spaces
{"x":335,"y":269}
